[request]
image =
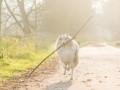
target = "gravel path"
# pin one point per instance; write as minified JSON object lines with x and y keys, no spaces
{"x":98,"y":69}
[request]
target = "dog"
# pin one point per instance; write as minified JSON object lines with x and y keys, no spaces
{"x":68,"y":53}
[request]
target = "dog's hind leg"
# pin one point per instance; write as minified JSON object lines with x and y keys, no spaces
{"x":70,"y":66}
{"x":65,"y":67}
{"x":64,"y":71}
{"x":73,"y":66}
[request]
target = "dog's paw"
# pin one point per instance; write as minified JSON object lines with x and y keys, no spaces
{"x":64,"y":73}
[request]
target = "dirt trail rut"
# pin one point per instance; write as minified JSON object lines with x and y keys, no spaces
{"x":98,"y":69}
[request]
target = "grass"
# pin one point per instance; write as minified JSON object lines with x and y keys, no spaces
{"x":19,"y":56}
{"x":85,"y":43}
{"x":113,"y":43}
{"x":82,"y":44}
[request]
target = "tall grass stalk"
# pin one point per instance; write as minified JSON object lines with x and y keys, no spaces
{"x":20,"y":55}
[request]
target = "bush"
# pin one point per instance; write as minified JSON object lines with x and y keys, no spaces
{"x":19,"y":55}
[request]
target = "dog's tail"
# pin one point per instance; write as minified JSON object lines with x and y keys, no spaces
{"x":76,"y":54}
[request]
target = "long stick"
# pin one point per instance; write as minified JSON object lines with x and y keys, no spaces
{"x":59,"y":47}
{"x":83,"y":26}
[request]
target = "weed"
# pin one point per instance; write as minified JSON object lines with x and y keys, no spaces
{"x":19,"y":56}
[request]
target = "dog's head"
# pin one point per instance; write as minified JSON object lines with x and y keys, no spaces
{"x":63,"y":38}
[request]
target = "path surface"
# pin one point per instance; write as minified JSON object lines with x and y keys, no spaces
{"x":98,"y":69}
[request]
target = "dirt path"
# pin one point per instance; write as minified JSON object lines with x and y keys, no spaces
{"x":98,"y":69}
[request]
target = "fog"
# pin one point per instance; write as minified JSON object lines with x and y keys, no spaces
{"x":107,"y":18}
{"x":46,"y":18}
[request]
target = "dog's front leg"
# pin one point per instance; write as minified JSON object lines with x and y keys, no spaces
{"x":73,"y":65}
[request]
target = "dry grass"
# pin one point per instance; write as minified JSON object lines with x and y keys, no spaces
{"x":19,"y":56}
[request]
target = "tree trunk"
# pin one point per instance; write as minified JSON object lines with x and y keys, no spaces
{"x":0,"y":18}
{"x":24,"y":16}
{"x":35,"y":16}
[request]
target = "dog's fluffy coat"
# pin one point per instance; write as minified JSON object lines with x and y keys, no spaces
{"x":68,"y":54}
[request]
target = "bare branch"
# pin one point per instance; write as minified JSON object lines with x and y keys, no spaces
{"x":18,"y":15}
{"x":7,"y":20}
{"x":14,"y":8}
{"x":5,"y":14}
{"x":3,"y":21}
{"x":31,"y":8}
{"x":12,"y":14}
{"x":60,"y":47}
{"x":37,"y":8}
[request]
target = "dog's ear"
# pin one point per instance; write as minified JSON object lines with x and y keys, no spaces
{"x":60,"y":35}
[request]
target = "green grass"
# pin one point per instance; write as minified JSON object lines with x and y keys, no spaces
{"x":19,"y":56}
{"x":113,"y":43}
{"x":82,"y":44}
{"x":85,"y":43}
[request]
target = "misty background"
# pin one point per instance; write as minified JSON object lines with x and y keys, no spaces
{"x":49,"y":18}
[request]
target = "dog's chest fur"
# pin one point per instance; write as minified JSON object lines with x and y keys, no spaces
{"x":67,"y":53}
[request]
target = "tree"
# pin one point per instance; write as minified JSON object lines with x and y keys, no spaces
{"x":62,"y":16}
{"x":23,"y":24}
{"x":12,"y":14}
{"x":24,"y":16}
{"x":0,"y":17}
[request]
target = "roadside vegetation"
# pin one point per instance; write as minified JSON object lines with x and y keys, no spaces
{"x":17,"y":56}
{"x":112,"y":43}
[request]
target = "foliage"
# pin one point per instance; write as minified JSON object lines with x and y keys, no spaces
{"x":65,"y":15}
{"x":18,"y":57}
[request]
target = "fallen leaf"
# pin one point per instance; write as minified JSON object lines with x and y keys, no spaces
{"x":1,"y":85}
{"x":118,"y":85}
{"x":14,"y":86}
{"x":89,"y":80}
{"x":83,"y":81}
{"x":105,"y":76}
{"x":3,"y":88}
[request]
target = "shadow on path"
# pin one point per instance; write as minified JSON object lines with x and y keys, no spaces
{"x":59,"y":86}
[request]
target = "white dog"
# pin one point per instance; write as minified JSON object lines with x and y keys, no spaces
{"x":68,"y":54}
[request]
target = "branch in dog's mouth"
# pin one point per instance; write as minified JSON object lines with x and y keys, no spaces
{"x":59,"y":47}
